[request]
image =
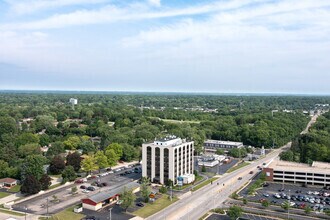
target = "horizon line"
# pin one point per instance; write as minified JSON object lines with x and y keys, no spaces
{"x":158,"y":92}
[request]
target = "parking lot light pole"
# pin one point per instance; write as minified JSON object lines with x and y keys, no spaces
{"x":289,"y":204}
{"x":25,"y":209}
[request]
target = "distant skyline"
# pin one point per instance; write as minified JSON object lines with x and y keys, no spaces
{"x":237,"y":46}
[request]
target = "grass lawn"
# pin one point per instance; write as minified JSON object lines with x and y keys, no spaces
{"x":15,"y":189}
{"x":204,"y":183}
{"x":152,"y":208}
{"x":239,"y":166}
{"x":67,"y":214}
{"x":11,"y":212}
{"x":54,"y":186}
{"x":198,"y":178}
{"x":4,"y":194}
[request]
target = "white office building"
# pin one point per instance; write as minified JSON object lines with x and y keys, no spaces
{"x":213,"y":145}
{"x":167,"y":159}
{"x":73,"y":101}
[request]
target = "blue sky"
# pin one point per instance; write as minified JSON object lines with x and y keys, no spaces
{"x":158,"y":45}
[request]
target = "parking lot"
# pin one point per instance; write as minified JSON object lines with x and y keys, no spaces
{"x":298,"y":196}
{"x":245,"y":216}
{"x":64,"y":197}
{"x":220,"y":168}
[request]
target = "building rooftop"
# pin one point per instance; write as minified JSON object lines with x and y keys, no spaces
{"x":209,"y":141}
{"x":168,"y":141}
{"x":316,"y":167}
{"x":100,"y":197}
{"x":7,"y":180}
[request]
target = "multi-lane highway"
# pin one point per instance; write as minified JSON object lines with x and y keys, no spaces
{"x":213,"y":195}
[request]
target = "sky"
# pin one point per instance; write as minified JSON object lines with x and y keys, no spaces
{"x":224,"y":46}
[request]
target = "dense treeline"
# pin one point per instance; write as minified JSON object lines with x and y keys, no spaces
{"x":313,"y":146}
{"x":103,"y":123}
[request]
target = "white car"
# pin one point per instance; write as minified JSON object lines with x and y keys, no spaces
{"x":119,"y":202}
{"x":316,"y":193}
{"x":85,"y":191}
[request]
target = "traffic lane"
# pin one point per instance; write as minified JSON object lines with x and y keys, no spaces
{"x":198,"y":194}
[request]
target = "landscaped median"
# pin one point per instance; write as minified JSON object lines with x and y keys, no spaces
{"x":152,"y":208}
{"x":238,"y":166}
{"x":204,"y":183}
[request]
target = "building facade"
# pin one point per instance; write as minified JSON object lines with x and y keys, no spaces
{"x":167,"y":159}
{"x":297,"y":173}
{"x":213,"y":145}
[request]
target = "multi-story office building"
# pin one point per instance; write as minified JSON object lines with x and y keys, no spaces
{"x":298,"y":173}
{"x":167,"y":159}
{"x":213,"y":145}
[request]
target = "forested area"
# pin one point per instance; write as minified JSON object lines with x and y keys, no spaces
{"x":112,"y":127}
{"x":313,"y":146}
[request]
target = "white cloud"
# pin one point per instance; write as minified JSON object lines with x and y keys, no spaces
{"x":156,"y":3}
{"x":32,"y":6}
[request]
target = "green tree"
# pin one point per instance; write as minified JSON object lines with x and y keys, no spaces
{"x":245,"y":201}
{"x":287,"y":155}
{"x":74,"y":160}
{"x":265,"y":203}
{"x":89,"y":164}
{"x":45,"y":182}
{"x":4,"y":167}
{"x":308,"y":209}
{"x":68,"y":174}
{"x":7,"y":125}
{"x":101,"y":160}
{"x":145,"y":189}
{"x":27,"y":138}
{"x":235,"y":212}
{"x":163,"y":189}
{"x":220,"y":151}
{"x":74,"y":190}
{"x":28,"y":149}
{"x":112,"y":157}
{"x":30,"y":185}
{"x":128,"y":198}
{"x":33,"y":165}
{"x":72,"y":143}
{"x":117,"y":148}
{"x":56,"y":148}
{"x":129,"y":153}
{"x":57,"y":165}
{"x":285,"y":205}
{"x":203,"y":169}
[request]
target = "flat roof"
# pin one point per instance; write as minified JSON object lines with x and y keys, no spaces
{"x":209,"y":141}
{"x":100,"y":197}
{"x":316,"y":167}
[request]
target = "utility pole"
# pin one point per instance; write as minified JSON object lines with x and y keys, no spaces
{"x":289,"y":204}
{"x":110,"y":213}
{"x":25,"y":208}
{"x":171,"y":192}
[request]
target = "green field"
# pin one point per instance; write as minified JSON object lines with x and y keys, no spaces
{"x":208,"y":181}
{"x":4,"y":194}
{"x":239,"y":166}
{"x":152,"y":208}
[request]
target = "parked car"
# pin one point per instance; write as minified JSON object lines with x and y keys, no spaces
{"x":85,"y":191}
{"x":82,"y":187}
{"x":91,"y":188}
{"x":79,"y":181}
{"x":140,"y":204}
{"x":251,"y":172}
{"x":266,"y":195}
{"x":240,"y":178}
{"x":104,"y":184}
{"x":119,"y":202}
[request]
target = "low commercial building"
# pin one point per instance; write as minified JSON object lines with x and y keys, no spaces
{"x":167,"y":159}
{"x":213,"y":145}
{"x":211,"y":160}
{"x":99,"y":200}
{"x":298,"y":173}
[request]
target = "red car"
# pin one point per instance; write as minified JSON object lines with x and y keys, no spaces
{"x":79,"y":181}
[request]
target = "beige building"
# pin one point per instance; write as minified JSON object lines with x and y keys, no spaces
{"x":167,"y":159}
{"x":318,"y":173}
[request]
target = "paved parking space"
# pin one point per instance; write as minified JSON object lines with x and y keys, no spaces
{"x":65,"y":199}
{"x":218,"y":169}
{"x":116,"y":213}
{"x":277,"y":193}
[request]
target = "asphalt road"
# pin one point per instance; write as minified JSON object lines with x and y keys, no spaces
{"x":213,"y":195}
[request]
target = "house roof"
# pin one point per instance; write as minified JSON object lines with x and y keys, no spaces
{"x":7,"y":180}
{"x":100,"y":197}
